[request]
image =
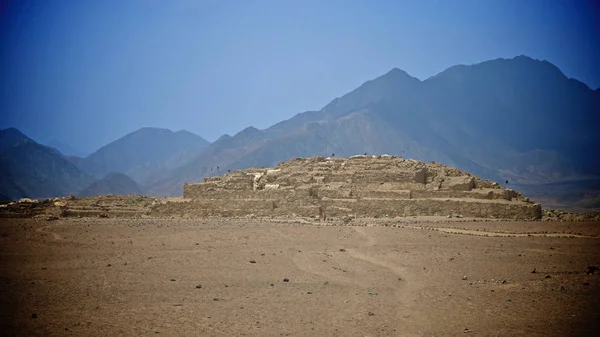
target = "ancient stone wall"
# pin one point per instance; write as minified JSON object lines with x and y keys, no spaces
{"x":360,"y":186}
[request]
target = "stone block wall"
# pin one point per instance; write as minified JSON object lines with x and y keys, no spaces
{"x":362,"y":186}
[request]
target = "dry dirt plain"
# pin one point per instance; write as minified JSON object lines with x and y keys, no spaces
{"x":225,"y":277}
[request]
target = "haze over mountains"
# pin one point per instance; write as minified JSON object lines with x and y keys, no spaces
{"x":144,"y":153}
{"x":112,"y":183}
{"x":29,"y":169}
{"x":519,"y":119}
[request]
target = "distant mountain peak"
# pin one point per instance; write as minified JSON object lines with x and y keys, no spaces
{"x":398,"y":72}
{"x":147,"y":145}
{"x":524,"y":57}
{"x":531,"y":62}
{"x":224,"y":137}
{"x":112,"y":183}
{"x":521,"y":65}
{"x":185,"y":132}
{"x":11,"y":129}
{"x":10,"y":137}
{"x":152,"y":128}
{"x":249,"y":131}
{"x":13,"y":132}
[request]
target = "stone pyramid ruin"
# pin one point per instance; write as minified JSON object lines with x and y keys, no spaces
{"x":369,"y":186}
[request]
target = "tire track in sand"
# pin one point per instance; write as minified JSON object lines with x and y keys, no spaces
{"x":501,"y":234}
{"x":45,"y":230}
{"x":389,"y":275}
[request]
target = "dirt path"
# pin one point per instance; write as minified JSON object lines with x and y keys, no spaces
{"x":46,"y":230}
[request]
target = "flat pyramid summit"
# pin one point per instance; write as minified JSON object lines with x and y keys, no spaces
{"x":370,"y":186}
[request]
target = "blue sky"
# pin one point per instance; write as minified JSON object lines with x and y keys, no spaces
{"x":86,"y":72}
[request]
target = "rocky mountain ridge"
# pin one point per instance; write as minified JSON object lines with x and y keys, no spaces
{"x":515,"y":120}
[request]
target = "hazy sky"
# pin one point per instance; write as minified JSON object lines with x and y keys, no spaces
{"x":86,"y":72}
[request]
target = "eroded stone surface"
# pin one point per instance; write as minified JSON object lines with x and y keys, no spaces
{"x":374,"y":186}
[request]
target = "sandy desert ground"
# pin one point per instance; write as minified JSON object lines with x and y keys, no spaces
{"x":225,"y":277}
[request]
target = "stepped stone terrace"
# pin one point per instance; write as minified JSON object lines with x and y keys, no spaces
{"x":369,"y":186}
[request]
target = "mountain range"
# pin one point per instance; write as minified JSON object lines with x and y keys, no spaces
{"x":518,"y":120}
{"x":29,"y":169}
{"x":112,"y":183}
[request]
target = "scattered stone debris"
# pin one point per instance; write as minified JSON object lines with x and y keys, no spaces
{"x":172,"y":280}
{"x":559,"y":215}
{"x":286,"y":280}
{"x":547,"y":276}
{"x":252,"y":261}
{"x":215,"y":299}
{"x":586,"y":283}
{"x":52,"y":218}
{"x":591,"y":270}
{"x":372,"y":293}
{"x":464,"y":278}
{"x":34,"y":316}
{"x":533,"y":271}
{"x":342,"y":250}
{"x":198,"y":286}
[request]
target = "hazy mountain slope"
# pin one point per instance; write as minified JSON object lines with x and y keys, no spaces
{"x":28,"y":169}
{"x":352,"y":134}
{"x":8,"y":184}
{"x":356,"y":133}
{"x":521,"y":106}
{"x":144,"y":153}
{"x":212,"y":160}
{"x":112,"y":183}
{"x":517,"y":119}
{"x":10,"y":137}
{"x":65,"y":149}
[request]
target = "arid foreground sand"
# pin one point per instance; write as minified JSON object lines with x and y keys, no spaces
{"x":226,"y":277}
